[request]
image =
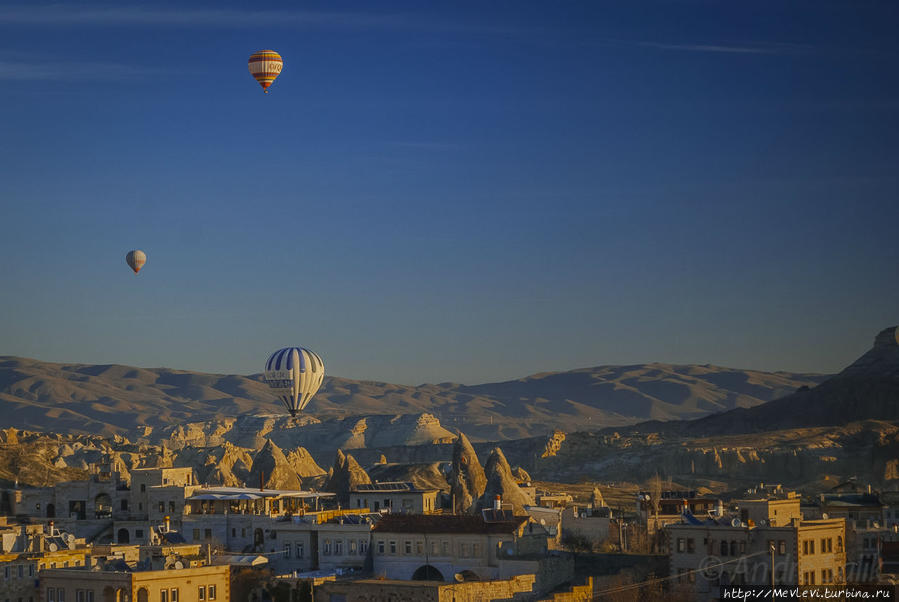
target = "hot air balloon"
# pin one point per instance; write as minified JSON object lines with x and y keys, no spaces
{"x":265,"y":66}
{"x":136,"y":259}
{"x":294,"y":374}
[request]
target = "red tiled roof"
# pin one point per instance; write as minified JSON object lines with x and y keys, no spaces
{"x":445,"y":523}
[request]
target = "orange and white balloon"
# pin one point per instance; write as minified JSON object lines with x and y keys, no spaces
{"x":265,"y":66}
{"x":136,"y":259}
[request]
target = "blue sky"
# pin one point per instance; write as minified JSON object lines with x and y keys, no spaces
{"x":450,"y":191}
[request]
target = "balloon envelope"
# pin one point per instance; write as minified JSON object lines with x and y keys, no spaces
{"x":265,"y":66}
{"x":294,"y":374}
{"x":136,"y":259}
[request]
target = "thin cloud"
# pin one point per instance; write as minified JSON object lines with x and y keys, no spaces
{"x":69,"y":71}
{"x":769,"y":48}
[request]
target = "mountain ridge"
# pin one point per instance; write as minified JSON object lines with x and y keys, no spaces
{"x":119,"y":399}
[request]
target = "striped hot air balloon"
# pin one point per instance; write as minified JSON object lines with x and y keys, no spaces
{"x":265,"y":66}
{"x":294,"y":374}
{"x":136,"y":259}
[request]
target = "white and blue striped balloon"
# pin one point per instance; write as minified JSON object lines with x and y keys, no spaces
{"x":294,"y":374}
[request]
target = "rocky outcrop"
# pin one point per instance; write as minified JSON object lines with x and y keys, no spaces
{"x":500,"y":482}
{"x":345,"y":475}
{"x":303,"y":463}
{"x":467,"y":479}
{"x":521,"y":475}
{"x":272,"y":470}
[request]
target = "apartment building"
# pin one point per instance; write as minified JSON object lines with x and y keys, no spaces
{"x":201,"y":584}
{"x":706,"y":554}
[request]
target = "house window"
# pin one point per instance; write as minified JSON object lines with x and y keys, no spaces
{"x":811,"y":550}
{"x":839,"y":543}
{"x":326,"y":550}
{"x":21,"y":571}
{"x":233,"y":531}
{"x":138,"y":533}
{"x":300,"y":550}
{"x":380,"y":547}
{"x":681,"y":544}
{"x":433,"y":548}
{"x":172,"y":507}
{"x":6,"y":572}
{"x":79,"y":595}
{"x":393,"y":546}
{"x":408,"y":547}
{"x":419,"y":548}
{"x":723,"y":548}
{"x":196,"y":534}
{"x":31,"y":570}
{"x":463,"y":550}
{"x":781,"y":547}
{"x":243,"y":531}
{"x":476,"y":550}
{"x":164,"y":595}
{"x":51,"y":594}
{"x":60,"y":595}
{"x":805,"y":547}
{"x":211,"y":591}
{"x":446,"y":548}
{"x":287,"y":548}
{"x":352,"y":547}
{"x":338,"y":547}
{"x":207,"y":534}
{"x":363,"y":546}
{"x":143,"y":487}
{"x":691,"y":545}
{"x":162,"y":506}
{"x":90,"y":595}
{"x":201,"y":592}
{"x":174,"y":596}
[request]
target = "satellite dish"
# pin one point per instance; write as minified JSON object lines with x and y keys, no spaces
{"x":53,"y":547}
{"x":179,"y":565}
{"x":736,"y":522}
{"x":458,"y":577}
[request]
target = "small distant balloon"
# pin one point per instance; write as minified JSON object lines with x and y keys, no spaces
{"x":136,"y":259}
{"x":294,"y":374}
{"x":265,"y":66}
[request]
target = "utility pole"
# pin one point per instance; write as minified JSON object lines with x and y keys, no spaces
{"x":771,"y":549}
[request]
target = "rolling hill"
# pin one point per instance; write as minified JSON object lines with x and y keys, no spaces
{"x":116,"y":399}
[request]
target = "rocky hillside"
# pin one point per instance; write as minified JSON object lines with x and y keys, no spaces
{"x":192,"y":407}
{"x":868,"y":389}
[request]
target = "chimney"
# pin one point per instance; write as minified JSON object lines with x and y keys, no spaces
{"x":497,"y":503}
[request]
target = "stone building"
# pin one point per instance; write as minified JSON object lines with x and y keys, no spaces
{"x":805,"y":552}
{"x":395,"y":496}
{"x":437,"y":547}
{"x":202,"y":584}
